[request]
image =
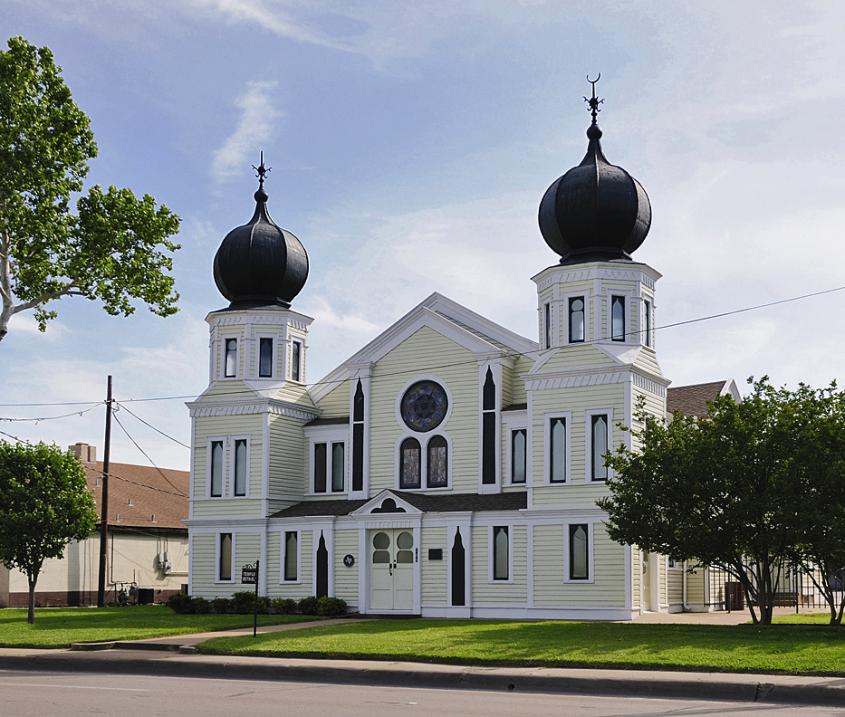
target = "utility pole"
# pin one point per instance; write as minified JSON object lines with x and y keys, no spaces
{"x":104,"y":507}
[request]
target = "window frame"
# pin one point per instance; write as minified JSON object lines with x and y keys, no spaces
{"x":329,"y":434}
{"x":423,"y":439}
{"x":547,"y":447}
{"x":591,"y":550}
{"x":588,"y":442}
{"x":625,"y":312}
{"x":400,"y":459}
{"x":646,"y":327}
{"x":512,"y":456}
{"x":547,"y":325}
{"x":330,"y":468}
{"x":209,"y":452}
{"x":226,"y":339}
{"x":491,"y":553}
{"x":218,"y":556}
{"x":297,"y":347}
{"x":283,"y":555}
{"x":428,"y":485}
{"x":234,"y":467}
{"x":569,"y":300}
{"x":273,"y":357}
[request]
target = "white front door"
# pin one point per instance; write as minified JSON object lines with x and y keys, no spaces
{"x":391,"y":569}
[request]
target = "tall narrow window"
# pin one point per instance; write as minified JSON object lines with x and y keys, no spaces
{"x":617,"y":318}
{"x":557,"y":450}
{"x":296,"y":361}
{"x":240,"y":466}
{"x":576,"y":320}
{"x":547,"y":326}
{"x":647,"y":322}
{"x":579,"y":550}
{"x":598,"y":439}
{"x":320,"y":466}
{"x":500,"y":553}
{"x":409,"y":460}
{"x":438,"y":463}
{"x":518,"y":440}
{"x":337,"y":467}
{"x":216,"y":469}
{"x":230,"y":368}
{"x":291,"y":560}
{"x":224,"y":567}
{"x":488,"y":430}
{"x":358,"y":438}
{"x":265,"y":358}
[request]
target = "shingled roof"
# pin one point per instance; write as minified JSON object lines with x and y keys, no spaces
{"x":141,"y":496}
{"x":459,"y":502}
{"x":692,"y":400}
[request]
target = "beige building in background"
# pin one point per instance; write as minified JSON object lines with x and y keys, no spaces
{"x":148,"y":544}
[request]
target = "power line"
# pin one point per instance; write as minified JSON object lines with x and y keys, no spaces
{"x":150,"y":425}
{"x":147,"y":456}
{"x":512,"y":354}
{"x":50,"y":418}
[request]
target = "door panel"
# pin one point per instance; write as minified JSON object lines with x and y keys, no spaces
{"x":392,"y":557}
{"x":381,"y":570}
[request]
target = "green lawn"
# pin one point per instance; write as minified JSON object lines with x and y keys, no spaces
{"x":792,"y":649}
{"x":58,"y":627}
{"x":804,"y":618}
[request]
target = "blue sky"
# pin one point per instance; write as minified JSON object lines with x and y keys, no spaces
{"x":410,"y":145}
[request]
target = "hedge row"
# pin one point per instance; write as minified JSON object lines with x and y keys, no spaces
{"x":243,"y":603}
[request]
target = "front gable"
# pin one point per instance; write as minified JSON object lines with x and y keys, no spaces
{"x":386,"y":502}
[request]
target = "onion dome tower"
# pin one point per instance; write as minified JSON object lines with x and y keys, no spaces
{"x":259,"y":263}
{"x":596,"y":211}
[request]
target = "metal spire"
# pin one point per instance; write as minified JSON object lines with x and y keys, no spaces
{"x":594,"y":101}
{"x":261,"y":170}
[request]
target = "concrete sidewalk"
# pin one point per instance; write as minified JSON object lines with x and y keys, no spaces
{"x":826,"y":691}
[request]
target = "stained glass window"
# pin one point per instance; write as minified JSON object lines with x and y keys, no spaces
{"x":410,"y":463}
{"x":424,"y":406}
{"x":438,"y":462}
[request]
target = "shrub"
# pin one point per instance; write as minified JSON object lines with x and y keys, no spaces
{"x":263,"y":604}
{"x":180,"y":603}
{"x":331,"y":606}
{"x":201,"y":606}
{"x":283,"y":606}
{"x":221,"y":605}
{"x":308,"y":606}
{"x":243,"y":602}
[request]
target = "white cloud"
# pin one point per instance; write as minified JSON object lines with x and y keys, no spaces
{"x":254,"y":130}
{"x":26,"y":324}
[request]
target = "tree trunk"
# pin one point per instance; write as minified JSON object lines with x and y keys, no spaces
{"x":30,"y":614}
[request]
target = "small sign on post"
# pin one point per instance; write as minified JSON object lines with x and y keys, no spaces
{"x":249,"y":576}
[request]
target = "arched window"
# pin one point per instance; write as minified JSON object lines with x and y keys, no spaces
{"x":409,"y":463}
{"x":617,"y":318}
{"x":438,"y":463}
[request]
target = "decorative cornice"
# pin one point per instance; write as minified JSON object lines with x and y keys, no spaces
{"x":569,"y":379}
{"x":280,"y":317}
{"x":588,"y":272}
{"x":651,"y":384}
{"x":257,"y":406}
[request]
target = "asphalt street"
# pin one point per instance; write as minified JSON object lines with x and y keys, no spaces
{"x":45,"y":694}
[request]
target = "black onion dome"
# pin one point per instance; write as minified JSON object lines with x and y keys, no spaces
{"x":259,"y":263}
{"x":596,"y":211}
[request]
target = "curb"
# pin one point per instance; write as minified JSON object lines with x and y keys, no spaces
{"x":499,"y":680}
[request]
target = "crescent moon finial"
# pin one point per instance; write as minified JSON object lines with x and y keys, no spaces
{"x":594,"y":101}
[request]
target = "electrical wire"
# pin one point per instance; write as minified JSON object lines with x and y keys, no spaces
{"x":50,"y":418}
{"x":512,"y":354}
{"x":150,"y":425}
{"x":147,"y":456}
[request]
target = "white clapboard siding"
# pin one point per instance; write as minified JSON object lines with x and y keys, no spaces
{"x":287,"y":480}
{"x":346,"y":578}
{"x":434,"y":575}
{"x":304,"y":586}
{"x":335,"y":404}
{"x":422,"y":354}
{"x":490,"y":593}
{"x":607,"y":588}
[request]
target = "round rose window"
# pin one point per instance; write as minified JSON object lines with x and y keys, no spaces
{"x":424,"y":406}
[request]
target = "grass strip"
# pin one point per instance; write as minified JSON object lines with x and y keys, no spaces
{"x":789,"y":649}
{"x":59,"y":627}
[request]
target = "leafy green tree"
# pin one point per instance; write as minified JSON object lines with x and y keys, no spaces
{"x":819,"y":549}
{"x":720,"y":491}
{"x":112,"y":246}
{"x":44,"y":504}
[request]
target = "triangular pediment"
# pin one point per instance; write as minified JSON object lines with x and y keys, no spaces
{"x":469,"y":330}
{"x":387,"y":503}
